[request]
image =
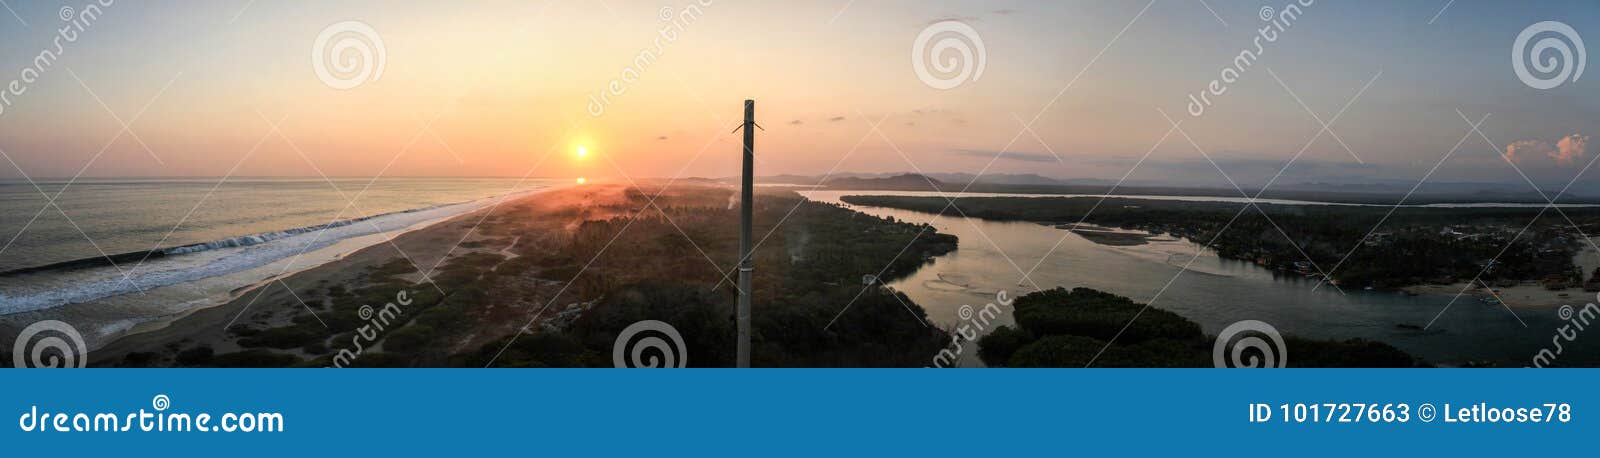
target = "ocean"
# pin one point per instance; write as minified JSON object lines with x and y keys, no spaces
{"x":112,"y":253}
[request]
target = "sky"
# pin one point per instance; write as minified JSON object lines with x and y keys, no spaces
{"x":1068,"y":89}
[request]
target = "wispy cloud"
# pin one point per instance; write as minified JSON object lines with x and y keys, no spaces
{"x":954,"y":18}
{"x":1009,"y":155}
{"x":1243,"y":166}
{"x":1522,"y":150}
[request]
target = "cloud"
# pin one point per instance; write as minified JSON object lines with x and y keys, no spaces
{"x":1240,"y":165}
{"x":955,"y":18}
{"x":1571,"y":149}
{"x":1009,"y":155}
{"x":1565,"y":152}
{"x":836,"y":119}
{"x":1521,"y":151}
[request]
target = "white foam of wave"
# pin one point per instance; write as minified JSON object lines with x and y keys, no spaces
{"x":257,"y":239}
{"x":212,"y":259}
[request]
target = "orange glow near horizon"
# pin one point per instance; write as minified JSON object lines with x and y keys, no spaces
{"x":594,"y":82}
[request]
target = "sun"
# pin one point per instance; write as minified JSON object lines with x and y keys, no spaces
{"x":583,"y":151}
{"x":582,"y":180}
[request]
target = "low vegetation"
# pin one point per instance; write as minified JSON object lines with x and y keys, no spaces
{"x":1061,"y":328}
{"x":552,"y":281}
{"x":812,"y":308}
{"x":1412,"y":246}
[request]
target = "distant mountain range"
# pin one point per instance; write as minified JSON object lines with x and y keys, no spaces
{"x":947,"y":178}
{"x":1377,"y":192}
{"x":909,"y":181}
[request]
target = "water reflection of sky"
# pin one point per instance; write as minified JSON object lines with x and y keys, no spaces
{"x":1213,"y":292}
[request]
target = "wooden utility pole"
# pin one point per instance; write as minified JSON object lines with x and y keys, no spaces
{"x":746,"y":209}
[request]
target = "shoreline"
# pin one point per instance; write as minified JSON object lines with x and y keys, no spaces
{"x":207,"y":270}
{"x":1107,"y":236}
{"x":1016,"y":207}
{"x":347,"y":261}
{"x":1227,"y":197}
{"x":1525,"y":295}
{"x":342,"y":250}
{"x":518,"y":276}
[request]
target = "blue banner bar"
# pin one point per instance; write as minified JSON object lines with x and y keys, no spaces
{"x":796,"y":412}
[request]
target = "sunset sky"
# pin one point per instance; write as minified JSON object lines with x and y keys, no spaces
{"x":490,"y":88}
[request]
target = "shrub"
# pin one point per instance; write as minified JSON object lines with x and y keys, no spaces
{"x":195,"y":356}
{"x":286,"y":337}
{"x":1101,"y":315}
{"x":996,"y":348}
{"x":1057,"y":351}
{"x":253,"y":358}
{"x":409,"y":339}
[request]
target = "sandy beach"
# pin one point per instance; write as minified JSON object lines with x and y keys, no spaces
{"x":1527,"y":294}
{"x":273,"y":301}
